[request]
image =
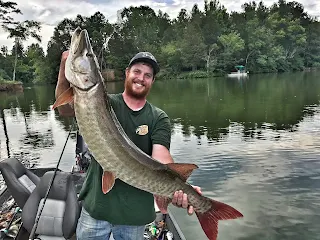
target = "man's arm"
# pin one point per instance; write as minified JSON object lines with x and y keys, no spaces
{"x":161,"y":153}
{"x":180,"y":199}
{"x":63,"y":85}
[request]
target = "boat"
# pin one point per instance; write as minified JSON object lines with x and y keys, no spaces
{"x":241,"y":72}
{"x":164,"y":227}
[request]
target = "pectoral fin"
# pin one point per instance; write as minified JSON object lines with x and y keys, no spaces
{"x":108,"y":180}
{"x":65,"y":98}
{"x":183,"y":169}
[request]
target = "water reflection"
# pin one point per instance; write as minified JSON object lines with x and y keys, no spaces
{"x":256,"y":142}
{"x":32,"y":131}
{"x":209,"y":106}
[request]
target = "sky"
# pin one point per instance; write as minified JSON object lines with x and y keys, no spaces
{"x":51,"y":12}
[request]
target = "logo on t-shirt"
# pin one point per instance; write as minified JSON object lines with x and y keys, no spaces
{"x":142,"y":130}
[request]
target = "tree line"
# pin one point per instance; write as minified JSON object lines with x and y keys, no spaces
{"x":198,"y":43}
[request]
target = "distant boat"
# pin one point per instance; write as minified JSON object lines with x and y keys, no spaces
{"x":241,"y":72}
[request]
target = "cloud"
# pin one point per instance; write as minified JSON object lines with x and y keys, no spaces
{"x":51,"y":12}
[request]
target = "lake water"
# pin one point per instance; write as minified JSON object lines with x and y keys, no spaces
{"x":256,"y":142}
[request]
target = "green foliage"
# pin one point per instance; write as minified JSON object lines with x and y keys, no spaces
{"x":231,"y":46}
{"x":193,"y":74}
{"x":192,"y":48}
{"x":19,"y":31}
{"x":196,"y":44}
{"x":6,"y":9}
{"x":4,"y":76}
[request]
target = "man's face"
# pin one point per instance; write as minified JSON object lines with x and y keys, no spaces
{"x":139,"y":79}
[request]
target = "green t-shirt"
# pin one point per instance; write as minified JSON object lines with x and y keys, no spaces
{"x":124,"y":204}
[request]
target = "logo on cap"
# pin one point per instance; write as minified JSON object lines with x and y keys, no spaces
{"x":148,"y":55}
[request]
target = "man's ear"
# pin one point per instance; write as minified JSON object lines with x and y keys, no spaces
{"x":127,"y":72}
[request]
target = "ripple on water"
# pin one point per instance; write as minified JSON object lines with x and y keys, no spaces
{"x":273,"y":181}
{"x":268,"y":171}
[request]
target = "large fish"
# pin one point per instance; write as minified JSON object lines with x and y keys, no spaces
{"x":116,"y":153}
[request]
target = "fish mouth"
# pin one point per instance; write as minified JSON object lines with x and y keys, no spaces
{"x":85,"y":89}
{"x":83,"y":42}
{"x":82,"y":47}
{"x":79,"y":46}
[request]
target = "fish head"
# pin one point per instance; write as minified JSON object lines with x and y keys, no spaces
{"x":82,"y":68}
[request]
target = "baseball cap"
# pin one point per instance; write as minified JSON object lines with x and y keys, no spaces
{"x":148,"y":58}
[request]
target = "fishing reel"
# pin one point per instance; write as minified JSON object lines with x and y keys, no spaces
{"x":157,"y":231}
{"x":82,"y":162}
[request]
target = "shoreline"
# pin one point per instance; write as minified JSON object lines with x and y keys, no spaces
{"x":11,"y":86}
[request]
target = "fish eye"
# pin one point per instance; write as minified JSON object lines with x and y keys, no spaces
{"x":89,"y":55}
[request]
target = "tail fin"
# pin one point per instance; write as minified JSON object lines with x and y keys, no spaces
{"x":218,"y":211}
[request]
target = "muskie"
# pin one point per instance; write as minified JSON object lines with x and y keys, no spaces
{"x":116,"y":153}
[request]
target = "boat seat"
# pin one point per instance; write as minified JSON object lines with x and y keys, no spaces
{"x":61,"y":211}
{"x":19,"y":180}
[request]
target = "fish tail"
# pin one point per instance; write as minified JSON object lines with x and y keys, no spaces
{"x":218,"y":211}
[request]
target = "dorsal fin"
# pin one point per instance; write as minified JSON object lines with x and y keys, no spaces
{"x":183,"y":169}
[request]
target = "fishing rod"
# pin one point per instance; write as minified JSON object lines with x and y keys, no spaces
{"x":34,"y":228}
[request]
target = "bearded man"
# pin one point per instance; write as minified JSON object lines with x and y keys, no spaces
{"x":125,"y":210}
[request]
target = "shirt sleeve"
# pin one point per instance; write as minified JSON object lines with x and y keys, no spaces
{"x":161,"y":133}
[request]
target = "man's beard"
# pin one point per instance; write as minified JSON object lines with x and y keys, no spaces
{"x":131,"y":92}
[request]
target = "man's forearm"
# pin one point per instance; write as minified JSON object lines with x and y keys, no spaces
{"x":161,"y":153}
{"x":63,"y":85}
{"x":64,"y":110}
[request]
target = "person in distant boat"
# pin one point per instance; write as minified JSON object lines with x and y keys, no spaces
{"x":125,"y":210}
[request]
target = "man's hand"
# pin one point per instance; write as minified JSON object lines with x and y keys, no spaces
{"x":65,"y":55}
{"x":180,"y":199}
{"x":61,"y":77}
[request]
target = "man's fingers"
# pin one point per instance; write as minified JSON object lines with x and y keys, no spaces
{"x":190,"y":210}
{"x":175,"y":198}
{"x":197,"y":188}
{"x":180,"y":198}
{"x":184,"y":201}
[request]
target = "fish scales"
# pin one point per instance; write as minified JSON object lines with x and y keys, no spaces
{"x":117,"y":160}
{"x":97,"y":127}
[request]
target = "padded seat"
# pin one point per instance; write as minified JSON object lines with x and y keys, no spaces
{"x":19,"y":180}
{"x":61,"y":212}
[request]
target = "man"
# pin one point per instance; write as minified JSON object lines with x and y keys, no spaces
{"x":126,"y":210}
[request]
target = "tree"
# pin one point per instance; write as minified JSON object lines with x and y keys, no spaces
{"x":282,"y":37}
{"x":231,"y":46}
{"x":291,"y":36}
{"x":210,"y":57}
{"x":21,"y":32}
{"x":6,"y":9}
{"x":99,"y":29}
{"x":141,"y":28}
{"x":312,"y":50}
{"x":192,"y":47}
{"x":216,"y":21}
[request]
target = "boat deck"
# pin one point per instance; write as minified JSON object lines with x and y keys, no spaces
{"x":163,"y":223}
